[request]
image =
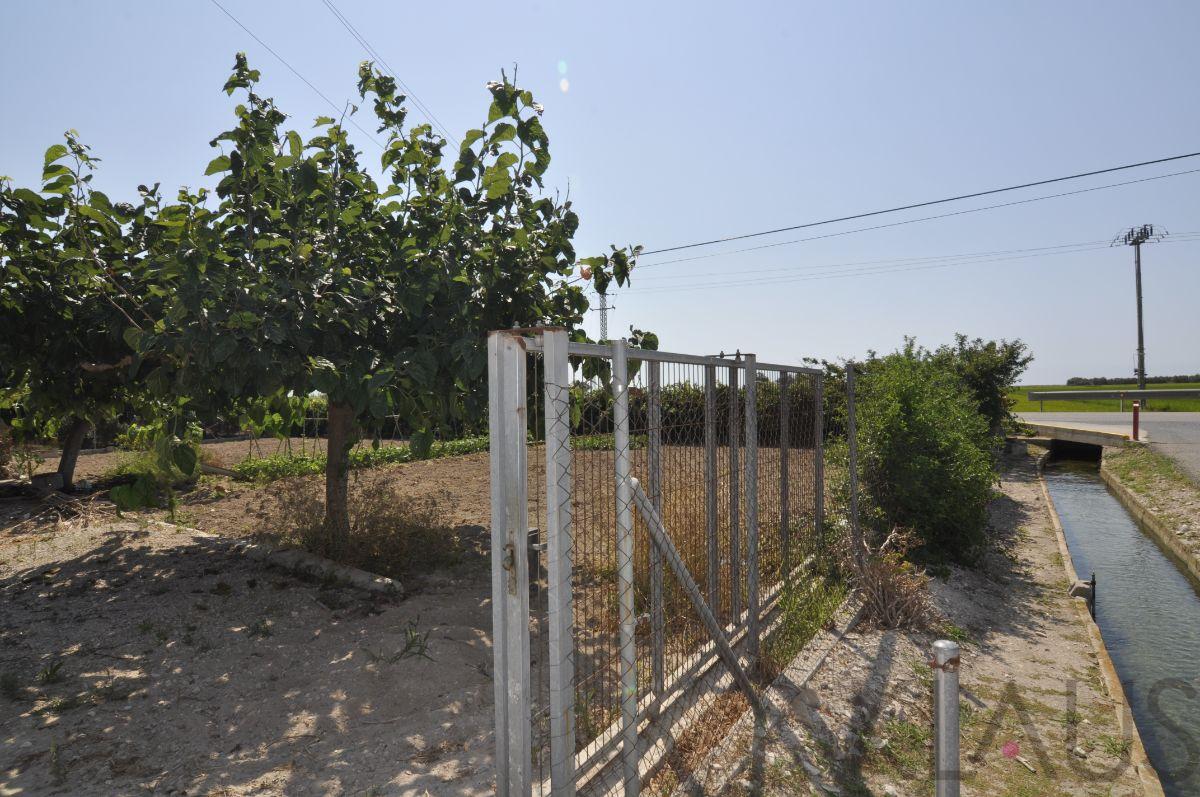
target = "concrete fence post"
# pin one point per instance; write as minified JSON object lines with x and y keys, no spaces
{"x":625,"y":584}
{"x":510,"y":564}
{"x":945,"y":711}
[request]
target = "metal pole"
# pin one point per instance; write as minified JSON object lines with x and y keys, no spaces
{"x":852,"y":435}
{"x":785,"y":533}
{"x":658,"y":534}
{"x":654,"y":482}
{"x":945,"y":709}
{"x":735,"y":501}
{"x":819,"y":464}
{"x":629,"y":735}
{"x":510,"y":564}
{"x":1137,"y":411}
{"x":751,"y":372}
{"x":710,"y":483}
{"x":1137,"y":270}
{"x":558,"y":566}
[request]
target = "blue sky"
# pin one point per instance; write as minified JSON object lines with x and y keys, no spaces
{"x":687,"y":121}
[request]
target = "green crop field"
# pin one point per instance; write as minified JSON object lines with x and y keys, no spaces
{"x":1104,"y":405}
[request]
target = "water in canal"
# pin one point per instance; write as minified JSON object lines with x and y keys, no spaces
{"x":1149,"y":614}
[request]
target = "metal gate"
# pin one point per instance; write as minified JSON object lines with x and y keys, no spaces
{"x":649,"y":510}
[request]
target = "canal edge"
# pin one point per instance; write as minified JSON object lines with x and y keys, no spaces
{"x":1147,"y":774}
{"x":1144,"y":515}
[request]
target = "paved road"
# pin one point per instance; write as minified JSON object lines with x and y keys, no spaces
{"x":1176,"y":434}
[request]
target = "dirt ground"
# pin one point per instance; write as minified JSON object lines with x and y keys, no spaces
{"x":1036,"y":719}
{"x":137,"y":658}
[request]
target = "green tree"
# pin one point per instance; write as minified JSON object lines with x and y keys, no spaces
{"x":989,"y":369}
{"x":70,"y":285}
{"x":309,"y":275}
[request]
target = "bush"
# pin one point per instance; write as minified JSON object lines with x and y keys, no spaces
{"x":925,"y":452}
{"x":989,"y":369}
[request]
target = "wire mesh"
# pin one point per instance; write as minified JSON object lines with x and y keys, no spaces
{"x":706,"y":459}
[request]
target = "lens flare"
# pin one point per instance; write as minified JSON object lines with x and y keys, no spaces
{"x":564,"y":85}
{"x":562,"y":67}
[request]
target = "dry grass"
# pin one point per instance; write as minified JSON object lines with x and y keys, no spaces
{"x":390,"y":534}
{"x":895,"y":593}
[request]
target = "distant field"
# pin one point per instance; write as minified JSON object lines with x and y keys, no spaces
{"x":1104,"y":405}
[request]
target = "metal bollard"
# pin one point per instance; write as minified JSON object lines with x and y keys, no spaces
{"x":945,"y":717}
{"x":1137,"y":408}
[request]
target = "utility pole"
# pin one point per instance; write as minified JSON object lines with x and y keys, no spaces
{"x":1135,"y":237}
{"x":603,"y":309}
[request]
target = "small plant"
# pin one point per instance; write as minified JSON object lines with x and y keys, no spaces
{"x":416,"y":644}
{"x":61,"y":704}
{"x":50,"y":674}
{"x":223,"y":589}
{"x":26,"y":461}
{"x":956,"y":633}
{"x":1071,"y":718}
{"x":1114,"y":746}
{"x":260,"y":628}
{"x":895,"y":593}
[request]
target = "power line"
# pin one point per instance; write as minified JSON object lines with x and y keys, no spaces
{"x":373,"y":53}
{"x":296,"y":72}
{"x":893,"y":261}
{"x":921,"y":204}
{"x":870,"y":271}
{"x":919,"y":219}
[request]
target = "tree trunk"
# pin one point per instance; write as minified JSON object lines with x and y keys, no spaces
{"x":72,"y":442}
{"x":340,"y":432}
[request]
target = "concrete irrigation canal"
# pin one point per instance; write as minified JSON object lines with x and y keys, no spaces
{"x":1149,"y":614}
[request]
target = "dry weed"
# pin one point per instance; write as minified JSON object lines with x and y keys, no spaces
{"x":390,"y":534}
{"x":895,"y":593}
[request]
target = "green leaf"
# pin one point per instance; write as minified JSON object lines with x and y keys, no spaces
{"x":56,"y":152}
{"x":218,"y":164}
{"x":185,"y":458}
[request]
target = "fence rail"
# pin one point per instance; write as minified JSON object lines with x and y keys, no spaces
{"x":649,"y":512}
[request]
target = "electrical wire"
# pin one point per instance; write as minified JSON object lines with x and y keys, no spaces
{"x":922,"y":204}
{"x":373,"y":53}
{"x":913,"y":221}
{"x":832,"y":273}
{"x":296,"y":72}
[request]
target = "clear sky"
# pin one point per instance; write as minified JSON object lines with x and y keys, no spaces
{"x":685,"y":121}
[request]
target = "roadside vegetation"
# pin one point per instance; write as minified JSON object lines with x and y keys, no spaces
{"x":1021,"y":403}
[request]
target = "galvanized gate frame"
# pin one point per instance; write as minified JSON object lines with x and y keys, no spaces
{"x":508,"y":419}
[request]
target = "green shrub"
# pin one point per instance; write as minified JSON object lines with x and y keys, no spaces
{"x":925,"y":451}
{"x":280,"y":466}
{"x":989,"y":369}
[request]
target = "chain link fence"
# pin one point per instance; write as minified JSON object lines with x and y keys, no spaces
{"x":650,"y":513}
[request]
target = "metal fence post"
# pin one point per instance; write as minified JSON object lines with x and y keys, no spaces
{"x":735,"y":499}
{"x":752,"y":505}
{"x":654,"y":482}
{"x":945,"y":709}
{"x":710,"y":484}
{"x":559,"y":562}
{"x":510,"y":564}
{"x":628,"y":619}
{"x":785,"y":533}
{"x":852,"y":436}
{"x":819,"y":463}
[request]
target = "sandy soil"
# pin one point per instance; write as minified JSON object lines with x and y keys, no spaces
{"x":141,"y":659}
{"x":1032,"y":690}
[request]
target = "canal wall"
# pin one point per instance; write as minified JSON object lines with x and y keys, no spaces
{"x":1160,"y":528}
{"x":1151,"y":786}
